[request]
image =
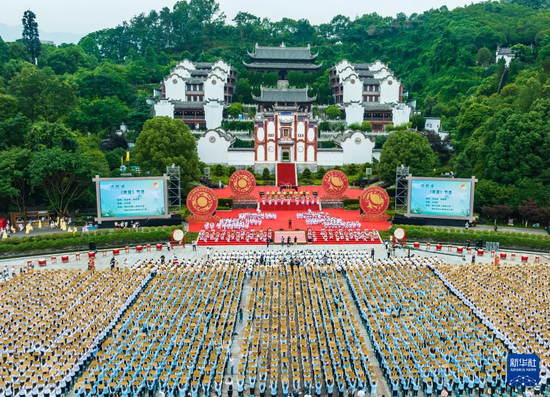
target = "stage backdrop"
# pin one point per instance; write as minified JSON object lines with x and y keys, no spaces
{"x":441,"y":198}
{"x":131,"y":198}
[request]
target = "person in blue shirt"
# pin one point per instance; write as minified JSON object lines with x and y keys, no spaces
{"x":262,"y":388}
{"x":330,"y":387}
{"x":273,"y":388}
{"x":318,"y":388}
{"x":240,"y":387}
{"x":252,"y":382}
{"x":285,"y":388}
{"x":429,"y":388}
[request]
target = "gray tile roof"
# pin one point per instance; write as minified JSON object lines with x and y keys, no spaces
{"x":283,"y":53}
{"x":283,"y":65}
{"x":286,"y":95}
{"x":505,"y":51}
{"x":377,"y":106}
{"x":188,"y":105}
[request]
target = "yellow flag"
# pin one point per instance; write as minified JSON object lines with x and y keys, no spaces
{"x":127,"y":155}
{"x":121,"y":161}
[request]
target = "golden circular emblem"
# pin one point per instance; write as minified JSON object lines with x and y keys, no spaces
{"x":335,"y":183}
{"x":242,"y":183}
{"x":202,"y":201}
{"x":374,"y":200}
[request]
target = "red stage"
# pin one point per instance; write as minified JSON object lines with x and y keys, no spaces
{"x":350,"y":193}
{"x":282,"y":223}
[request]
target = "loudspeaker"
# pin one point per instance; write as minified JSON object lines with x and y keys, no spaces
{"x":479,"y":244}
{"x":92,"y":247}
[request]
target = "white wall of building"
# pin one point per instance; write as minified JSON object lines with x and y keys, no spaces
{"x":433,"y":124}
{"x":175,"y":87}
{"x":401,"y":114}
{"x":164,"y":108}
{"x":354,"y":113}
{"x":389,"y":90}
{"x":353,"y":88}
{"x":357,"y":149}
{"x":330,"y":158}
{"x":240,"y":157}
{"x":300,"y":152}
{"x":271,"y":151}
{"x":213,"y":114}
{"x":212,"y":148}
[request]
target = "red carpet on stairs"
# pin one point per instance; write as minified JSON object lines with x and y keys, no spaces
{"x":286,"y":174}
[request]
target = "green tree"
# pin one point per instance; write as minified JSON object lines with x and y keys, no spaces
{"x":5,"y":52}
{"x":140,"y":114}
{"x":14,"y":176}
{"x":484,"y":56}
{"x":366,"y":126}
{"x":333,"y":112}
{"x":9,"y":107}
{"x":30,"y":35}
{"x":410,"y":149}
{"x":13,"y":131}
{"x":64,"y":177}
{"x":41,"y":94}
{"x":68,"y":59}
{"x":99,"y":114}
{"x":306,"y":175}
{"x":473,"y":117}
{"x":107,"y":80}
{"x":266,"y":175}
{"x":44,"y":135}
{"x":235,"y":109}
{"x":165,"y":141}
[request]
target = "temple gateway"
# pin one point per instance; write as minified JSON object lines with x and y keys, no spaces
{"x":286,"y":132}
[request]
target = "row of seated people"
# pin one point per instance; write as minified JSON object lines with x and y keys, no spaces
{"x":513,"y":300}
{"x":324,"y":218}
{"x":287,"y":194}
{"x":248,"y":236}
{"x":244,"y":221}
{"x":325,"y":235}
{"x":51,"y":323}
{"x":280,"y":201}
{"x":176,"y":338}
{"x":424,"y":336}
{"x":301,"y":334}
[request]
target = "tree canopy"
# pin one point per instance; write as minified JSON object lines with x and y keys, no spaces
{"x":165,"y":141}
{"x":406,"y":148}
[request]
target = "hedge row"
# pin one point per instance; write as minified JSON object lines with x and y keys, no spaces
{"x":103,"y":238}
{"x":508,"y":240}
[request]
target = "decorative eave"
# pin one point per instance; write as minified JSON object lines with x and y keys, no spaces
{"x":282,"y":65}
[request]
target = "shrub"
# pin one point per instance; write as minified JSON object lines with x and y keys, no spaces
{"x":506,"y":240}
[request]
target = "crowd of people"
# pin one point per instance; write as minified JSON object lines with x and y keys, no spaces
{"x":243,"y":222}
{"x":343,"y":235}
{"x":513,"y":301}
{"x":53,"y":322}
{"x":168,"y":324}
{"x":326,"y":220}
{"x":424,"y":336}
{"x":232,"y":236}
{"x":301,"y":334}
{"x":176,"y":337}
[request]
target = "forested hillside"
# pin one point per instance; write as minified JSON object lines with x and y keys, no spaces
{"x":77,"y":94}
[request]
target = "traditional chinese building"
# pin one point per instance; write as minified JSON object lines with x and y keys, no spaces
{"x":282,"y":60}
{"x":276,"y":97}
{"x":369,"y":92}
{"x":196,"y":93}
